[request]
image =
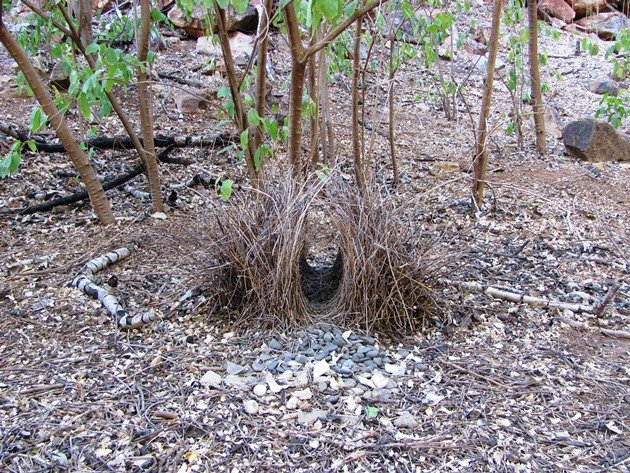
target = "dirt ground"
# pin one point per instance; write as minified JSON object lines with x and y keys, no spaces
{"x":499,"y":387}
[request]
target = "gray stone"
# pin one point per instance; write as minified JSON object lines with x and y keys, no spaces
{"x":372,"y":353}
{"x":605,"y":25}
{"x":328,"y":337}
{"x":604,"y":86}
{"x":403,"y":353}
{"x":333,"y":399}
{"x":369,"y":365}
{"x":309,"y":418}
{"x":275,"y":345}
{"x":594,"y":141}
{"x":233,"y":368}
{"x":302,"y":359}
{"x":258,"y":367}
{"x":406,"y":420}
{"x":272,"y":365}
{"x":343,"y":371}
{"x":368,"y":340}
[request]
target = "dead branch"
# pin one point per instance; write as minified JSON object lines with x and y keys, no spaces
{"x":87,"y":283}
{"x":119,"y":142}
{"x":108,"y":185}
{"x":531,"y":300}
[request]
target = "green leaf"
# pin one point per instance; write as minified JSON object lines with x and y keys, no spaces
{"x":226,"y":189}
{"x":92,"y":48}
{"x":330,"y":9}
{"x":244,"y":139}
{"x":252,"y":117}
{"x":84,"y":106}
{"x":240,"y":5}
{"x":223,"y":3}
{"x":371,"y":412}
{"x":38,"y":119}
{"x":31,"y":145}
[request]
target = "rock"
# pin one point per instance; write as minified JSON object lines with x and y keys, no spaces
{"x":260,"y":390}
{"x":275,"y":345}
{"x":242,"y":46}
{"x":405,"y":420}
{"x":301,"y":379}
{"x":605,"y":25}
{"x":211,"y":380}
{"x":256,"y":366}
{"x":292,"y":403}
{"x":553,"y":125}
{"x":191,"y":103}
{"x":443,"y":167}
{"x":251,"y":407}
{"x":309,"y":418}
{"x":237,"y":381}
{"x":587,"y":7}
{"x":58,"y":76}
{"x":379,"y":380}
{"x":246,"y":22}
{"x":233,"y":368}
{"x":396,"y":370}
{"x":195,"y":26}
{"x":594,"y":141}
{"x":320,"y":368}
{"x":273,"y":386}
{"x":557,"y":9}
{"x":304,"y":394}
{"x":603,"y":85}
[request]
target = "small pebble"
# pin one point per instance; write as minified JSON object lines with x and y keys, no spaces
{"x":260,"y":390}
{"x":250,"y":406}
{"x":275,"y":344}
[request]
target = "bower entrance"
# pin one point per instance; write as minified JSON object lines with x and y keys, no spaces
{"x":321,"y":275}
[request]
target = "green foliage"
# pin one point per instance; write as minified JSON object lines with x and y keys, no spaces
{"x":617,"y":109}
{"x":614,"y":109}
{"x":587,"y":45}
{"x":226,"y":189}
{"x":10,"y":162}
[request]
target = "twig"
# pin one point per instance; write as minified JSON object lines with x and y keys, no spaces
{"x":472,"y":373}
{"x":524,"y":299}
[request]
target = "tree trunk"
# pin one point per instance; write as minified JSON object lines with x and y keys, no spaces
{"x":239,"y":107}
{"x":264,"y":13}
{"x":534,"y":69}
{"x":480,"y":160}
{"x":356,"y":71}
{"x":145,"y":103}
{"x":298,"y":73}
{"x":314,"y":118}
{"x":85,"y":22}
{"x":392,"y":118}
{"x":77,"y":156}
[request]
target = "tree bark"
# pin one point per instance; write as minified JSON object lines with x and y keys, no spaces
{"x":146,"y":112}
{"x":239,"y":107}
{"x":97,"y":195}
{"x":480,"y":160}
{"x":392,"y":118}
{"x":298,"y":73}
{"x":534,"y":69}
{"x":264,"y":13}
{"x":359,"y":171}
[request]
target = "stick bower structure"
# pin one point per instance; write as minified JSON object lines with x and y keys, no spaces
{"x":380,"y":279}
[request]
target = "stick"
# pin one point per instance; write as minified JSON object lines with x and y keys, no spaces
{"x":86,"y":282}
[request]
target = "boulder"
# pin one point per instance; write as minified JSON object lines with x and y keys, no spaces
{"x":242,"y":47}
{"x":191,"y":103}
{"x":594,"y":141}
{"x":557,"y":9}
{"x":587,"y":7}
{"x":198,"y":25}
{"x":605,"y":25}
{"x":603,"y":86}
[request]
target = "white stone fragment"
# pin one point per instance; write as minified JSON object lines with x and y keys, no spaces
{"x":260,"y":390}
{"x":396,"y":370}
{"x":320,"y":369}
{"x":379,"y":380}
{"x":211,"y":379}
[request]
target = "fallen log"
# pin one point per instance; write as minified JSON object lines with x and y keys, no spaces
{"x":119,"y":142}
{"x":107,"y":185}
